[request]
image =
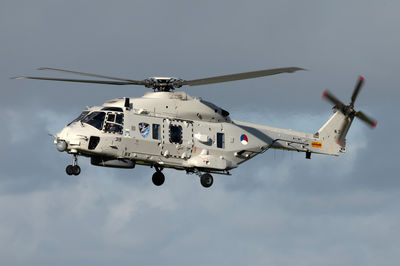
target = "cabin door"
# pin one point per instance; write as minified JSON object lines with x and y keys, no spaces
{"x":177,"y":138}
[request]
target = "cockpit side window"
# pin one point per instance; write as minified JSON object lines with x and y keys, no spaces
{"x":95,"y":119}
{"x":113,"y":128}
{"x":120,"y":119}
{"x":110,"y":117}
{"x":114,"y":123}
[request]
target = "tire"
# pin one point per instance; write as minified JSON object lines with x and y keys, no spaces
{"x":69,"y":170}
{"x":206,"y":180}
{"x":158,"y":178}
{"x":76,"y":170}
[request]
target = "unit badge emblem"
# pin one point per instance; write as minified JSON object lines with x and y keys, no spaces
{"x":144,"y":129}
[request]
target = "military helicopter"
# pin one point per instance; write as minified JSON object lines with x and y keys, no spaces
{"x":170,"y":129}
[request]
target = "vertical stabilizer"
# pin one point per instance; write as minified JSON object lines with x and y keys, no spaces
{"x":333,"y":133}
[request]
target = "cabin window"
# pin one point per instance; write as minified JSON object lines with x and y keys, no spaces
{"x":156,"y":131}
{"x":220,"y":140}
{"x":95,"y":119}
{"x":175,"y":134}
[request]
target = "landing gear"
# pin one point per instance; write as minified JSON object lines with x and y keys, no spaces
{"x":73,"y":169}
{"x":158,"y":177}
{"x":206,"y":180}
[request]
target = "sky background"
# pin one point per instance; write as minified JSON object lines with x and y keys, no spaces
{"x":277,"y":209}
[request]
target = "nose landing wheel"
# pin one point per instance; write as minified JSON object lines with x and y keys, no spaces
{"x":73,"y":169}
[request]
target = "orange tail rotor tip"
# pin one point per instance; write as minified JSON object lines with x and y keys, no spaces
{"x":324,"y":94}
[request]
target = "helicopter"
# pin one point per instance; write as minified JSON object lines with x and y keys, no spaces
{"x":171,"y":129}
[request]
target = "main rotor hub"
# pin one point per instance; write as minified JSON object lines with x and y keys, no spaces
{"x":163,"y":83}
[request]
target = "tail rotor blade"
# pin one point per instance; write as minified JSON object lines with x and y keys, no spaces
{"x":330,"y":97}
{"x":357,"y":90}
{"x":366,"y":119}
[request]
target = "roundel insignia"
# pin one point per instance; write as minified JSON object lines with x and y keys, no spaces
{"x":243,"y":139}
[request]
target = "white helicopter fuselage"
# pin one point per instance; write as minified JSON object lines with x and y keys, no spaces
{"x":174,"y":130}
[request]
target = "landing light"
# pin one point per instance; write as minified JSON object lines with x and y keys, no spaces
{"x":61,"y":146}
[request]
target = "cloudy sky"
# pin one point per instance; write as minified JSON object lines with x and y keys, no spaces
{"x":277,"y":209}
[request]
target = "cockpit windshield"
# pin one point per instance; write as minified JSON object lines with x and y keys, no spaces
{"x":110,"y":122}
{"x":95,"y":119}
{"x":80,"y":117}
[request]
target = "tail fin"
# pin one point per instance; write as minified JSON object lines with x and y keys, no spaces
{"x":333,"y":133}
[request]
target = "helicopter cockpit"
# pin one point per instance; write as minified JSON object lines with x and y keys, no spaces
{"x":109,"y":120}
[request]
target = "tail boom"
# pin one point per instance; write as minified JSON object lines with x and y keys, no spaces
{"x":327,"y":140}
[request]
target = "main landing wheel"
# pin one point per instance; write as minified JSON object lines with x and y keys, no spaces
{"x":206,"y":180}
{"x":158,"y":178}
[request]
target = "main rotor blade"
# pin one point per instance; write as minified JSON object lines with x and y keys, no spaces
{"x":366,"y":119}
{"x":79,"y":80}
{"x":240,"y":76}
{"x":330,"y":97}
{"x":137,"y":82}
{"x":357,"y":90}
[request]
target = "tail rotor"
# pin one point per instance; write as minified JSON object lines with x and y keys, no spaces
{"x":348,"y":111}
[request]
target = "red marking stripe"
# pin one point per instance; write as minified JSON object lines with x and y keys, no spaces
{"x":340,"y":143}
